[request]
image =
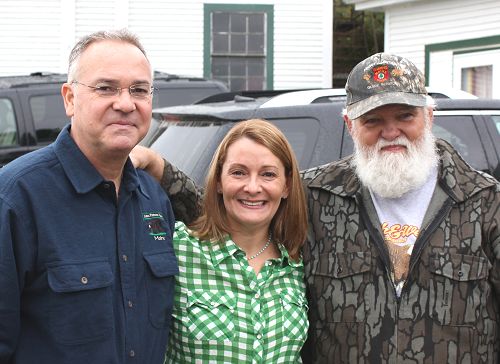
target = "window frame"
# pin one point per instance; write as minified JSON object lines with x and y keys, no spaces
{"x":460,"y":49}
{"x":207,"y":35}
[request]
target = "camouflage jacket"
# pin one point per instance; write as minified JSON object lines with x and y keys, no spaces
{"x":449,"y":309}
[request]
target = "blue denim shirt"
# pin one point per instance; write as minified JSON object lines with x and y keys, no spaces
{"x":85,"y":277}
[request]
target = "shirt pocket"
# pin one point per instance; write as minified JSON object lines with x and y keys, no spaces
{"x":341,"y":289}
{"x":210,"y":315}
{"x":458,"y":288}
{"x":81,"y":307}
{"x":160,"y":282}
{"x":294,"y":315}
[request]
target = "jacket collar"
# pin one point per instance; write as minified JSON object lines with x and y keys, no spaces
{"x":458,"y":178}
{"x":337,"y":177}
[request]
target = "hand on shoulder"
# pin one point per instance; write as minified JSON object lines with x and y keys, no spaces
{"x":147,"y":159}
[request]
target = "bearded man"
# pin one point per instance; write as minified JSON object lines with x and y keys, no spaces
{"x":402,"y":262}
{"x":402,"y":259}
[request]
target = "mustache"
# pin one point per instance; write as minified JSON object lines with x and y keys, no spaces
{"x":400,"y":140}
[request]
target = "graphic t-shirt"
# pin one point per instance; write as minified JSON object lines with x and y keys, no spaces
{"x":401,"y":219}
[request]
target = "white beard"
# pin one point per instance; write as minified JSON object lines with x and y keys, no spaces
{"x":391,"y":175}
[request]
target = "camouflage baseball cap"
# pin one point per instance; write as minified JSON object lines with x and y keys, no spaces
{"x":383,"y":79}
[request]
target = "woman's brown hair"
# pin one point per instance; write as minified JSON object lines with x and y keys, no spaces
{"x":289,"y":224}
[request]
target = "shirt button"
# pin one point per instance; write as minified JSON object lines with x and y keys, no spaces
{"x":124,"y":257}
{"x":257,"y":296}
{"x":84,"y":280}
{"x":131,"y":353}
{"x":130,"y":304}
{"x":106,"y":185}
{"x":259,"y":336}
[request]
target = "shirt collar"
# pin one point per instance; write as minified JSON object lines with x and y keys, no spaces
{"x":285,"y":257}
{"x":81,"y":173}
{"x":228,"y":248}
{"x":224,"y":249}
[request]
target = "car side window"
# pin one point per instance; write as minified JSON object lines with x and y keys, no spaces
{"x":49,"y":116}
{"x":496,"y":119}
{"x":461,"y":132}
{"x":302,"y":134}
{"x":8,"y":126}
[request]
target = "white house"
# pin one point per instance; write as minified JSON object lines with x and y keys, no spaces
{"x":456,"y":42}
{"x":260,"y":44}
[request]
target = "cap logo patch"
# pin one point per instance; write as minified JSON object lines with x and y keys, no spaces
{"x":381,"y":73}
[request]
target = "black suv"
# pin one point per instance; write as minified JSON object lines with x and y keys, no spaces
{"x":188,"y":135}
{"x":32,"y":112}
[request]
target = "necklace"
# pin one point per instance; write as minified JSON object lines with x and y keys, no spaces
{"x":262,"y":250}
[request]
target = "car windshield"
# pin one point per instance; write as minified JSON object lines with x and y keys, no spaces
{"x":190,"y":143}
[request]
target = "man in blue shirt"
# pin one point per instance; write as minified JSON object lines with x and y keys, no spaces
{"x":86,"y":258}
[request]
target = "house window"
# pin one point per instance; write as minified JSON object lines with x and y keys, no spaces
{"x":474,"y":65}
{"x":477,"y":80}
{"x":477,"y":71}
{"x":239,"y":46}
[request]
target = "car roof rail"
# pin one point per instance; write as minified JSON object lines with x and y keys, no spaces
{"x":44,"y":74}
{"x":34,"y":78}
{"x":253,"y":94}
{"x":165,"y":76}
{"x":467,"y":104}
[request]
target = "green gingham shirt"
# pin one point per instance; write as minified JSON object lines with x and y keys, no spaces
{"x":225,"y":313}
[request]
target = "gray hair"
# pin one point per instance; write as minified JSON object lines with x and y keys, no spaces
{"x":123,"y":35}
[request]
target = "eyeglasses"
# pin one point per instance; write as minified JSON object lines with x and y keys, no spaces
{"x":140,"y":92}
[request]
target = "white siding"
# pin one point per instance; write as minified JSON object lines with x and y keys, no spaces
{"x":375,"y":5}
{"x":412,"y":26}
{"x":30,"y":36}
{"x":172,"y":33}
{"x":38,"y":35}
{"x":93,"y":15}
{"x":302,"y":49}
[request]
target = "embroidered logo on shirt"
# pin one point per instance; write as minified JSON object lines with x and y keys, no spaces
{"x":154,"y":224}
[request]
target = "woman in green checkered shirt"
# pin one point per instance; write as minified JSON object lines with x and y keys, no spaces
{"x":240,"y":295}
